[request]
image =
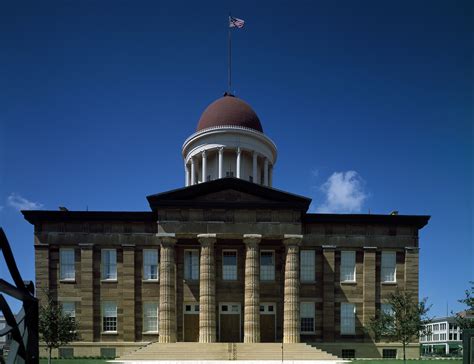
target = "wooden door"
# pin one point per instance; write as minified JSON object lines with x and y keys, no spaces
{"x":229,"y":321}
{"x":191,"y":323}
{"x":267,"y":322}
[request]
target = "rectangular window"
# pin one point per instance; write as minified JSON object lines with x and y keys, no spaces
{"x":267,"y":265}
{"x":229,"y":265}
{"x":387,"y":309}
{"x":348,"y":311}
{"x":443,"y":326}
{"x":436,"y":327}
{"x":109,"y":264}
{"x":348,"y":266}
{"x":389,"y":353}
{"x":307,"y":317}
{"x":442,"y":337}
{"x":389,"y":266}
{"x":150,"y":264}
{"x":69,"y":309}
{"x":109,"y":316}
{"x":348,"y":353}
{"x":66,"y":263}
{"x":150,"y":317}
{"x":307,"y":268}
{"x":191,"y":265}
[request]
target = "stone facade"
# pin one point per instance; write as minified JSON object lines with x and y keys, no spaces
{"x":209,"y":220}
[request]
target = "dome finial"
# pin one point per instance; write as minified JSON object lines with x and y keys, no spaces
{"x":228,"y":94}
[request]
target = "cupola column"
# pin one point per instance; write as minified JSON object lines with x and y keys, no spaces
{"x":254,"y":167}
{"x":204,"y":167}
{"x":188,"y":175}
{"x":291,"y":300}
{"x":193,"y":172}
{"x":265,"y":172}
{"x":221,"y":161}
{"x":237,"y":162}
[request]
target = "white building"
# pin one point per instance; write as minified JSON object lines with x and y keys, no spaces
{"x":445,"y":337}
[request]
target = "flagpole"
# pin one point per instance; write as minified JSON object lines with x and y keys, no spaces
{"x":229,"y":71}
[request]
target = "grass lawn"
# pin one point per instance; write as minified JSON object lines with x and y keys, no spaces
{"x":74,"y":361}
{"x":421,"y":361}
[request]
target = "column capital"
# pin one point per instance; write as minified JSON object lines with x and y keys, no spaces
{"x":292,"y":239}
{"x":329,"y":247}
{"x":238,"y":150}
{"x":203,"y":154}
{"x":220,"y":150}
{"x":83,"y":246}
{"x":252,"y":239}
{"x":370,"y":248}
{"x":412,"y":249}
{"x":167,"y":238}
{"x":207,"y":239}
{"x":128,"y":246}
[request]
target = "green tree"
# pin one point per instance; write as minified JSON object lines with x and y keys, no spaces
{"x":461,"y":319}
{"x":405,"y":321}
{"x":56,"y":328}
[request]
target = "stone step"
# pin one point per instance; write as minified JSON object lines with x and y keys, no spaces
{"x":227,"y":351}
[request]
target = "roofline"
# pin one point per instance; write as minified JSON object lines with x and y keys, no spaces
{"x":417,"y":220}
{"x":38,"y":216}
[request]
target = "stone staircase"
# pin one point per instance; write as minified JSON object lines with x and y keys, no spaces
{"x":227,"y":351}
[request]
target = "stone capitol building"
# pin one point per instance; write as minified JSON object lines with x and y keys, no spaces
{"x":227,"y":260}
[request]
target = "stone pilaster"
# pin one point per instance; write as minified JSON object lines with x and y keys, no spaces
{"x":207,"y":289}
{"x":86,"y":318}
{"x":328,"y":292}
{"x":128,"y":292}
{"x":411,"y":270}
{"x":369,"y":285}
{"x":291,"y":309}
{"x":42,"y":271}
{"x":252,"y":289}
{"x":167,"y":320}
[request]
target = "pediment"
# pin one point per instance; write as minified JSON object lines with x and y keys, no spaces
{"x":228,"y":193}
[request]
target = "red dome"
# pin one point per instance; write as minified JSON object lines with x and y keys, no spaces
{"x":229,"y":110}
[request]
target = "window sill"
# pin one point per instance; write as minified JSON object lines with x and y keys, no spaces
{"x":150,"y":333}
{"x":308,"y":282}
{"x":109,"y":333}
{"x":109,"y":280}
{"x":68,"y":281}
{"x":266,"y":281}
{"x":389,"y":283}
{"x":307,"y":333}
{"x":150,"y":280}
{"x":191,"y":281}
{"x":349,"y":282}
{"x":348,"y":334}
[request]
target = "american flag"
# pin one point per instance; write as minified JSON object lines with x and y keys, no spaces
{"x":235,"y":22}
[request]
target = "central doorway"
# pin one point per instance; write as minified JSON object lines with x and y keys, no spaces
{"x":229,"y":322}
{"x":267,"y":322}
{"x":191,"y":322}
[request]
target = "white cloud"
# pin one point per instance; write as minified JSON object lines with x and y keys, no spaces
{"x":344,"y":193}
{"x":20,"y":203}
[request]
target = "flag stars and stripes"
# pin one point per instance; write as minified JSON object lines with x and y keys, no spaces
{"x":236,"y":22}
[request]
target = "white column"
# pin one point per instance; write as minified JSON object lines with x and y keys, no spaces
{"x":204,"y":167}
{"x":265,"y":172}
{"x":188,"y":176}
{"x":254,"y":167}
{"x":238,"y":162}
{"x":193,"y":172}
{"x":221,"y":161}
{"x":270,"y":176}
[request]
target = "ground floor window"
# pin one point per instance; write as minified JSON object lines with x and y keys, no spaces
{"x":389,"y":353}
{"x":307,"y":317}
{"x":109,"y":316}
{"x":348,"y":318}
{"x":348,"y":353}
{"x":150,"y":317}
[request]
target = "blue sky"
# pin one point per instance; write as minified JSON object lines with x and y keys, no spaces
{"x":369,"y":103}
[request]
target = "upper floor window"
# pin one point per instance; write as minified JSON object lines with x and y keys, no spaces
{"x":150,"y":317}
{"x":348,"y":266}
{"x":307,"y":268}
{"x":69,"y":309}
{"x":348,"y":311}
{"x":267,"y":265}
{"x":389,"y":266}
{"x":109,"y":264}
{"x":387,"y":309}
{"x":150,"y":264}
{"x":109,"y":316}
{"x":307,"y":317}
{"x":191,"y":264}
{"x":229,"y":265}
{"x":66,"y":261}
